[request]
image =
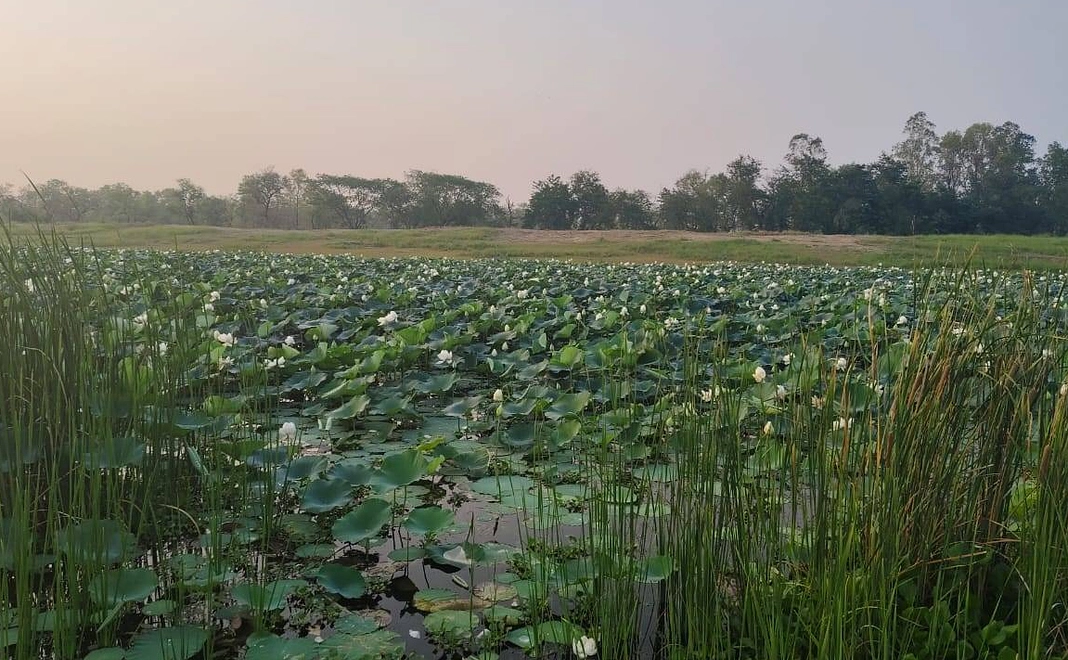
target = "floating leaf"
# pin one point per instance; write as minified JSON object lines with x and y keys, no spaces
{"x":451,"y":624}
{"x":122,"y":585}
{"x":437,"y":600}
{"x":116,"y":453}
{"x":502,"y":484}
{"x":315,"y":551}
{"x":324,"y":495}
{"x":399,"y":469}
{"x":342,"y":580}
{"x":654,"y":569}
{"x":350,"y":409}
{"x":160,"y":607}
{"x":495,"y":591}
{"x":407,"y":554}
{"x":568,"y":405}
{"x":556,"y":632}
{"x":378,"y":645}
{"x":98,"y":542}
{"x":304,"y":467}
{"x":428,"y":520}
{"x":353,"y":471}
{"x":265,"y":597}
{"x":363,"y":522}
{"x":271,"y":647}
{"x":462,"y":407}
{"x":177,"y":643}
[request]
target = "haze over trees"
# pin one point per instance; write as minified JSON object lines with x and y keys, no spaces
{"x":984,"y":179}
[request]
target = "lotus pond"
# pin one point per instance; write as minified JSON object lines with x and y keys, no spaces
{"x":237,"y":455}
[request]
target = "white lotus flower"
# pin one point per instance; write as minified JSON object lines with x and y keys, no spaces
{"x":504,"y":346}
{"x":290,"y":340}
{"x":498,"y":395}
{"x":641,"y":310}
{"x":263,"y":303}
{"x":162,"y":348}
{"x":414,"y":634}
{"x":277,"y":363}
{"x":445,"y":357}
{"x":787,"y":358}
{"x":214,"y":295}
{"x":584,"y":647}
{"x":841,"y":364}
{"x":901,"y":320}
{"x":670,"y":323}
{"x":288,"y":431}
{"x":706,"y":396}
{"x":225,"y":362}
{"x":224,"y":338}
{"x":780,"y":392}
{"x":759,"y":374}
{"x":623,"y":311}
{"x":817,"y":402}
{"x":768,"y":428}
{"x":387,"y":320}
{"x":841,"y":424}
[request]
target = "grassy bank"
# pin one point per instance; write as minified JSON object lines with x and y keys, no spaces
{"x":1039,"y":252}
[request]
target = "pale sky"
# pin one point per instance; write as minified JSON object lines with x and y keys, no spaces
{"x":505,"y":91}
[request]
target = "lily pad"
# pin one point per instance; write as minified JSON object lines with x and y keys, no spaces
{"x":177,"y":643}
{"x":363,"y":522}
{"x":342,"y":580}
{"x":324,"y":495}
{"x":122,"y":585}
{"x":428,"y":520}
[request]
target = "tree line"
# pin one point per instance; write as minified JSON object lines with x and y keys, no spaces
{"x":985,"y":179}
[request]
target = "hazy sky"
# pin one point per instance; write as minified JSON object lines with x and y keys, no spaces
{"x":506,"y":91}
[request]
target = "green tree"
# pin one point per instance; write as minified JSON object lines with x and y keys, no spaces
{"x":743,"y":200}
{"x":444,"y":200}
{"x":631,"y":209}
{"x":1053,"y":173}
{"x":296,"y":192}
{"x":345,"y":201}
{"x":695,"y":203}
{"x":919,"y":151}
{"x":592,"y":207}
{"x":263,"y":190}
{"x":551,"y":205}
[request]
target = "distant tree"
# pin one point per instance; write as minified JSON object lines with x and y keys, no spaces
{"x":345,"y":201}
{"x":444,"y":200}
{"x":592,"y":207}
{"x":799,"y":192}
{"x":1053,"y":174}
{"x":695,"y":203}
{"x":118,"y":202}
{"x":213,"y":210}
{"x":854,"y":200}
{"x":919,"y":151}
{"x":631,"y":209}
{"x":264,"y":190}
{"x":186,"y":197}
{"x":551,"y":205}
{"x":58,"y":200}
{"x":296,"y":191}
{"x":743,"y":199}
